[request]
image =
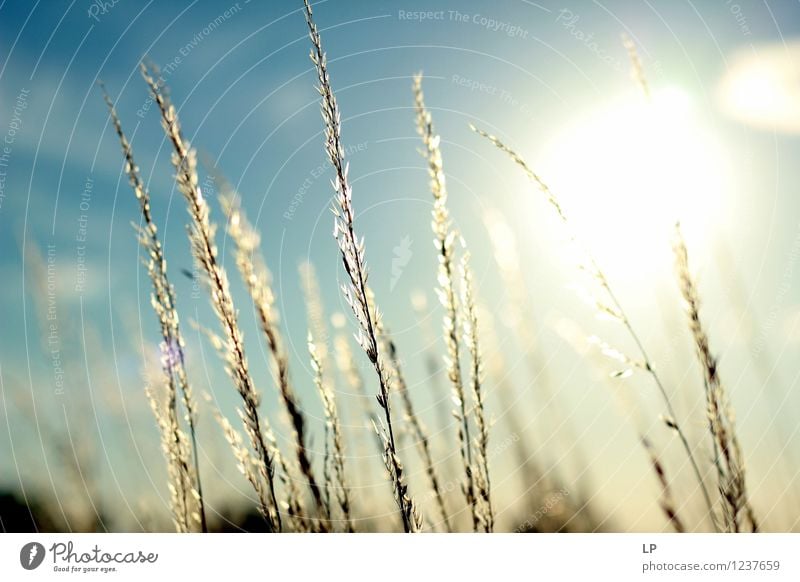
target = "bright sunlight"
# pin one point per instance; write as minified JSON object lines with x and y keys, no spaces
{"x":653,"y":160}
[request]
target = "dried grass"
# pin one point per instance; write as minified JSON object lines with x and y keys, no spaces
{"x":253,"y":270}
{"x":204,"y":250}
{"x":737,"y":513}
{"x":185,"y":485}
{"x":444,"y":240}
{"x":418,"y":430}
{"x":470,"y":324}
{"x":667,"y":502}
{"x":353,"y":256}
{"x":275,"y":479}
{"x":334,"y":428}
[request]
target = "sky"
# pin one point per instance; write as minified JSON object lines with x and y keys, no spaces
{"x":714,"y":149}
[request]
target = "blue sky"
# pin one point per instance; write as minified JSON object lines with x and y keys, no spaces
{"x":240,"y":76}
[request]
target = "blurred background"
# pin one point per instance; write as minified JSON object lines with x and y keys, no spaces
{"x":714,"y":148}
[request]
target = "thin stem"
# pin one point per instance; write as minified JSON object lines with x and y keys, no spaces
{"x":620,"y":313}
{"x":420,"y":432}
{"x":668,"y":403}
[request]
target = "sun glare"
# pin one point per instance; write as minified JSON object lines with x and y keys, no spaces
{"x":629,"y":170}
{"x":761,"y":88}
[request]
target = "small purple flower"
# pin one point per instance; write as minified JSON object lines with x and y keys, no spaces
{"x":170,"y":354}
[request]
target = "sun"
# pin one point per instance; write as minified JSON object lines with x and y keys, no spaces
{"x":628,"y":170}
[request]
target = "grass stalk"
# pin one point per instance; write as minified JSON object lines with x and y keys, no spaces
{"x":340,"y":487}
{"x":470,"y":324}
{"x":353,"y":257}
{"x":201,"y":235}
{"x":253,"y":270}
{"x":667,"y":502}
{"x":728,"y":457}
{"x":173,"y":358}
{"x":419,"y":431}
{"x":446,"y":290}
